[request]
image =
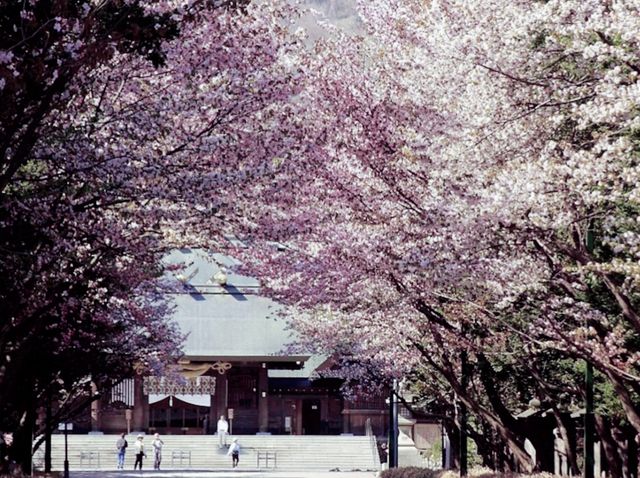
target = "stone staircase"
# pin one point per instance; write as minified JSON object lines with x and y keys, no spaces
{"x":285,"y":452}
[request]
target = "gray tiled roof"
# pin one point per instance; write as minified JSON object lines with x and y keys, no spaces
{"x":307,"y":370}
{"x":230,"y":322}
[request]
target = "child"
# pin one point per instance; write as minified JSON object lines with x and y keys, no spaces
{"x":234,"y":451}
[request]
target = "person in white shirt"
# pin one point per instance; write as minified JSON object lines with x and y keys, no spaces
{"x":234,"y":451}
{"x":139,"y":446}
{"x":223,"y":429}
{"x":157,"y":445}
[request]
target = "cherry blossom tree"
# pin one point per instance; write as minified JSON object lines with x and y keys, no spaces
{"x":458,"y":185}
{"x":141,"y":136}
{"x":465,"y":155}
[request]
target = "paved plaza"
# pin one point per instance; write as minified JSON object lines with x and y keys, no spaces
{"x":222,"y":474}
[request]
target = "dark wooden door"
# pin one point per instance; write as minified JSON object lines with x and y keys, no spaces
{"x":311,"y":418}
{"x":243,"y":398}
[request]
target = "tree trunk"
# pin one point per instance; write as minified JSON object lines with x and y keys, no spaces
{"x":487,"y":378}
{"x":567,"y":433}
{"x":484,"y":444}
{"x":625,"y":437}
{"x":609,"y":446}
{"x":453,"y":432}
{"x":511,"y":438}
{"x":522,"y":460}
{"x":633,"y":455}
{"x":23,"y":438}
{"x":628,"y":404}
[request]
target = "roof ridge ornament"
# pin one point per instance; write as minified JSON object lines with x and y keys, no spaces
{"x":220,"y":277}
{"x":221,"y":367}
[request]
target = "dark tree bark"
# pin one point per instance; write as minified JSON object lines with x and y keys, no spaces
{"x":609,"y":446}
{"x":453,"y":432}
{"x":567,"y":434}
{"x":21,"y":451}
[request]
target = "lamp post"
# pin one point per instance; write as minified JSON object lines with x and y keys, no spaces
{"x":588,"y":406}
{"x":393,"y":426}
{"x":588,"y":422}
{"x":65,"y":427}
{"x":47,"y":435}
{"x":66,"y":453}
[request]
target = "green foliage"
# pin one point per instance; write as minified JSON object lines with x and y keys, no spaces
{"x":473,"y":457}
{"x":539,"y":40}
{"x":607,"y":401}
{"x":434,"y":452}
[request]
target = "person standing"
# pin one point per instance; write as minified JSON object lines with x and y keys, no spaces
{"x":121,"y":446}
{"x":223,"y":429}
{"x":139,"y":452}
{"x":234,"y":451}
{"x":157,"y":445}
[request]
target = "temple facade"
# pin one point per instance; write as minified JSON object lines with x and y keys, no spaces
{"x":236,"y":363}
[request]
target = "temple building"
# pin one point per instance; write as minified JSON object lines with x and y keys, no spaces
{"x":236,"y":363}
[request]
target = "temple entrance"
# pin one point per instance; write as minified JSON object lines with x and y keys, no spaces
{"x":174,"y":416}
{"x":243,"y":399}
{"x":179,"y":407}
{"x":311,"y":417}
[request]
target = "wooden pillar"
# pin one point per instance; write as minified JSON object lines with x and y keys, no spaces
{"x":212,"y":418}
{"x":346,"y":418}
{"x":220,"y":400}
{"x":140,"y":415}
{"x":299,"y":416}
{"x":263,"y":398}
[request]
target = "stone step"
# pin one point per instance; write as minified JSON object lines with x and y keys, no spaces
{"x":97,"y":452}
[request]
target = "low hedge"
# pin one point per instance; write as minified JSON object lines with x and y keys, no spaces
{"x":476,"y":472}
{"x":410,"y":472}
